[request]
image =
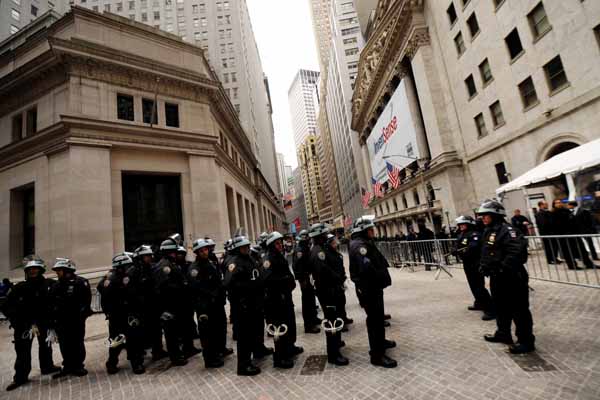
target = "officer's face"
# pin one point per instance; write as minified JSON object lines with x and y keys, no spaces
{"x":180,"y":256}
{"x":33,"y":272}
{"x":371,"y":233}
{"x":333,"y":244}
{"x":60,"y":273}
{"x":462,"y":227}
{"x":278,"y":245}
{"x":203,"y":253}
{"x":147,"y":259}
{"x":172,"y":255}
{"x":245,"y":250}
{"x":487,"y":219}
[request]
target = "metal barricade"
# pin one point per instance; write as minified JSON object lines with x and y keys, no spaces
{"x":410,"y":254}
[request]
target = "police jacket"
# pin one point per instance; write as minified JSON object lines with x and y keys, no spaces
{"x":468,"y":247}
{"x":71,"y":300}
{"x":171,"y":287}
{"x":368,"y":267}
{"x":279,"y":280}
{"x":328,"y":273}
{"x":206,"y":285}
{"x":143,"y":279}
{"x":29,"y":303}
{"x":504,"y":250}
{"x":119,"y":296}
{"x":301,"y":261}
{"x":244,"y":281}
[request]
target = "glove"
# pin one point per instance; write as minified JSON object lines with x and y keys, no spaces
{"x":51,"y":337}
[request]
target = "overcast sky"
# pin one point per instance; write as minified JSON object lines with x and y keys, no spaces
{"x":284,"y":34}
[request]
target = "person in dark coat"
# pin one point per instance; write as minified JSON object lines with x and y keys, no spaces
{"x":520,"y":222}
{"x":583,"y":222}
{"x":426,"y":247}
{"x":544,"y":221}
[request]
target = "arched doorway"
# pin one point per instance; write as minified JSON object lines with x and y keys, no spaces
{"x":560,"y":148}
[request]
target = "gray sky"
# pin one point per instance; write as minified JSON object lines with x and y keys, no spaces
{"x":284,"y":34}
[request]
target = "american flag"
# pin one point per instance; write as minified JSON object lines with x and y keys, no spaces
{"x":366,"y":198}
{"x":377,"y":187}
{"x":393,"y":175}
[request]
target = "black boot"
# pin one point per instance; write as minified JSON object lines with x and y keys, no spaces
{"x":138,"y":368}
{"x":62,"y":373}
{"x":227,"y":351}
{"x":248,"y":370}
{"x":79,"y":372}
{"x":338,"y":360}
{"x":312,"y":329}
{"x":389,"y":344}
{"x":216,"y":362}
{"x":488,"y":316}
{"x":383,"y":361}
{"x":50,"y":370}
{"x":111,"y":368}
{"x":16,"y":384}
{"x":498,"y":338}
{"x":283,"y":363}
{"x":295,"y":350}
{"x":521,"y":348}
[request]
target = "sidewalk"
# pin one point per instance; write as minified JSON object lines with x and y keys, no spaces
{"x":441,"y":355}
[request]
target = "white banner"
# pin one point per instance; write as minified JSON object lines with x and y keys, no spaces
{"x":394,"y":135}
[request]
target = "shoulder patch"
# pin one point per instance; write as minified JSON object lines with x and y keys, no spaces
{"x":321,"y":256}
{"x":363,"y":251}
{"x":513,"y":234}
{"x":194,"y":273}
{"x":299,"y":254}
{"x":106,"y":283}
{"x":167,"y":270}
{"x":126,"y":281}
{"x":267,"y":264}
{"x":231,"y":267}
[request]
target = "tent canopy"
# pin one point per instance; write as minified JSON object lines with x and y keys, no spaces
{"x":572,"y":161}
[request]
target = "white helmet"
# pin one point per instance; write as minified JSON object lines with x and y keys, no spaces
{"x":64,"y":263}
{"x":210,"y":241}
{"x":143,"y":250}
{"x":362,"y":224}
{"x":318,"y":229}
{"x":122,"y":260}
{"x":465,"y":219}
{"x":273,"y":236}
{"x":200,"y":244}
{"x":492,"y":207}
{"x":39,"y":263}
{"x":239,"y":241}
{"x":168,"y":245}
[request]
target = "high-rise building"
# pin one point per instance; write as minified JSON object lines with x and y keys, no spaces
{"x":303,"y":101}
{"x":310,"y":167}
{"x":15,"y":14}
{"x":285,"y":173}
{"x":297,"y":214}
{"x":224,"y":30}
{"x":319,"y":10}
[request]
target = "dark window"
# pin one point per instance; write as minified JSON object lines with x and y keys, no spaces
{"x":172,"y":115}
{"x":538,"y":21}
{"x":597,"y":32}
{"x":17,"y":127}
{"x":416,"y":197}
{"x":404,"y":201}
{"x":125,"y":107}
{"x":149,"y":112}
{"x":498,"y":3}
{"x":451,"y":11}
{"x":480,"y":125}
{"x":471,"y":88}
{"x":501,"y":173}
{"x":528,"y":93}
{"x":29,"y":221}
{"x":473,"y":25}
{"x":497,"y":114}
{"x":34,"y":10}
{"x":555,"y":74}
{"x":460,"y":43}
{"x":486,"y":71}
{"x":513,"y":43}
{"x":22,"y":222}
{"x":31,"y":121}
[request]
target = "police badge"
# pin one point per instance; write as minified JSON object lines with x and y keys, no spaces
{"x":167,"y":270}
{"x":363,"y":251}
{"x":125,"y":280}
{"x":231,"y":267}
{"x":321,"y":256}
{"x":194,"y":273}
{"x":267,"y":264}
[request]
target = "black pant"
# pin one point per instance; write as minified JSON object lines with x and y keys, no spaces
{"x":510,"y":291}
{"x":23,"y":350}
{"x":551,"y":249}
{"x":174,"y":334}
{"x":133,"y":341}
{"x":476,"y":282}
{"x":152,"y":329}
{"x":341,"y":305}
{"x":372,"y":301}
{"x":309,"y":305}
{"x":590,"y":242}
{"x":71,"y":334}
{"x":188,"y":329}
{"x":250,"y":325}
{"x":332,"y":312}
{"x":284,"y":315}
{"x":211,"y":332}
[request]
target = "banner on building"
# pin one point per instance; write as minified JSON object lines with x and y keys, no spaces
{"x":393,"y":135}
{"x":296,"y":222}
{"x":287,"y":201}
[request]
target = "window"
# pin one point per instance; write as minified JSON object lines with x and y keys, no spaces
{"x":404,"y":201}
{"x":13,"y":29}
{"x":107,"y":7}
{"x":486,"y":71}
{"x":168,"y":3}
{"x":225,"y":5}
{"x":144,"y":17}
{"x":473,"y":25}
{"x":237,"y":108}
{"x":497,"y":115}
{"x":352,"y":51}
{"x":235,"y":92}
{"x":555,"y":74}
{"x":350,"y":31}
{"x":22,"y":221}
{"x":480,"y":125}
{"x":119,"y":6}
{"x":233,"y":77}
{"x":31,"y":126}
{"x":460,"y":44}
{"x":528,"y":93}
{"x":132,"y":17}
{"x":95,"y":8}
{"x":350,"y":40}
{"x":132,"y":5}
{"x":471,"y":88}
{"x":228,"y":19}
{"x":156,"y":15}
{"x":220,"y":20}
{"x":597,"y":32}
{"x":17,"y":127}
{"x":225,"y":78}
{"x":513,"y":43}
{"x":203,"y":21}
{"x":452,"y":17}
{"x":501,"y":173}
{"x":15,"y":14}
{"x":416,"y":198}
{"x":538,"y":21}
{"x":125,"y":107}
{"x":172,"y":115}
{"x":34,"y":10}
{"x":149,"y":112}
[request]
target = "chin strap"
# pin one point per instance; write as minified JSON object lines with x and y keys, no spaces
{"x":277,"y":330}
{"x":332,"y":327}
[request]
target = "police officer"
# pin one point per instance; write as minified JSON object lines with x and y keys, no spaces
{"x":27,"y":308}
{"x":503,"y":256}
{"x":279,"y":306}
{"x":71,"y":301}
{"x":329,"y":280}
{"x":244,"y":283}
{"x":468,"y":248}
{"x":208,"y":299}
{"x":172,"y":292}
{"x":332,"y":245}
{"x":122,"y":306}
{"x":302,"y":270}
{"x":143,"y":279}
{"x":191,"y":328}
{"x":369,"y":272}
{"x":211,"y":251}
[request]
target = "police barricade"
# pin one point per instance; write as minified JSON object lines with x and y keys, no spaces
{"x":410,"y":254}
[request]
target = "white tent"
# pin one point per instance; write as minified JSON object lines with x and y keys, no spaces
{"x":567,"y":163}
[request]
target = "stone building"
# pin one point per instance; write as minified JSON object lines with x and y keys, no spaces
{"x":482,"y":91}
{"x":89,"y":166}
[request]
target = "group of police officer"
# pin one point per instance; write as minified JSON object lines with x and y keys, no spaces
{"x":143,"y":300}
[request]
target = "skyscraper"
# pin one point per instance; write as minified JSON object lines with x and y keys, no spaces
{"x":302,"y":97}
{"x":15,"y":14}
{"x":320,"y":10}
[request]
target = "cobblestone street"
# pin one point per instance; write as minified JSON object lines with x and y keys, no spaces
{"x":440,"y":352}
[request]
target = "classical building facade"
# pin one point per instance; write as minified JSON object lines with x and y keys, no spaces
{"x":481,"y":93}
{"x":224,"y":30}
{"x":115,"y":134}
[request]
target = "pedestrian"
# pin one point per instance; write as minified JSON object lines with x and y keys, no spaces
{"x":144,"y":281}
{"x":583,"y":222}
{"x":369,"y":272}
{"x":279,"y":306}
{"x":544,"y":221}
{"x":27,"y":308}
{"x":426,"y":237}
{"x":71,"y":299}
{"x":468,"y":248}
{"x":520,"y":222}
{"x":303,"y":270}
{"x":246,"y":287}
{"x":123,"y":308}
{"x":208,"y":301}
{"x":329,"y":281}
{"x":562,"y":225}
{"x":503,"y":256}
